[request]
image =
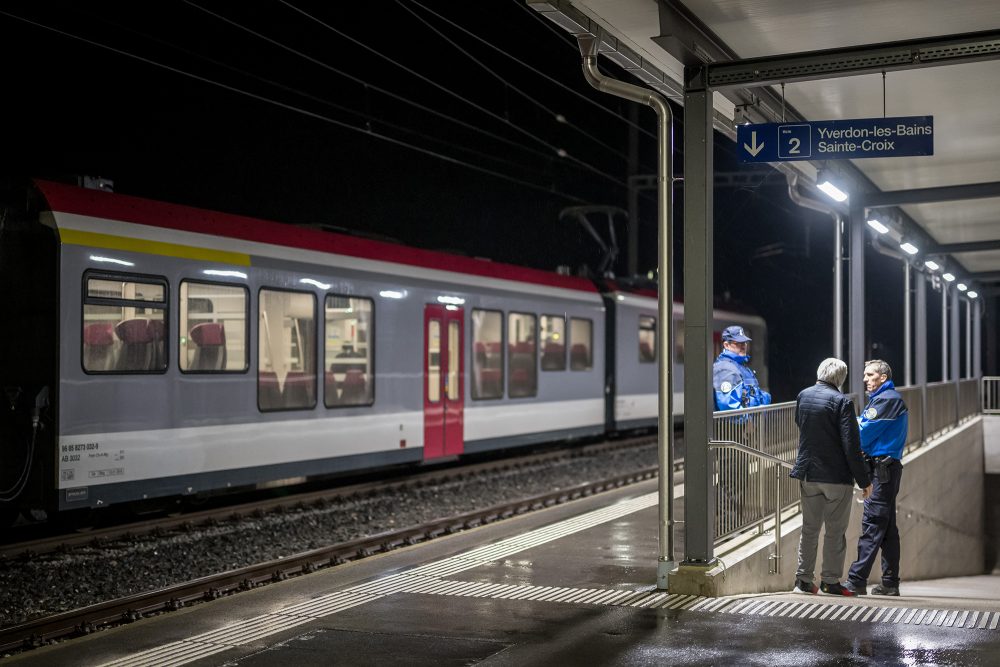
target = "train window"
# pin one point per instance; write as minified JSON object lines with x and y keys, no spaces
{"x":452,"y":384}
{"x":124,"y":324}
{"x":286,"y":356}
{"x":522,"y":356}
{"x":487,"y":357}
{"x":581,"y":336}
{"x":213,"y":325}
{"x":434,"y":361}
{"x":647,"y":339}
{"x":350,"y":373}
{"x":553,"y":335}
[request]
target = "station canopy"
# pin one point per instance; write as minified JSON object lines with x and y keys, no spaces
{"x":654,"y":39}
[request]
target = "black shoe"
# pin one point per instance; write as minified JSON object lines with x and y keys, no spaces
{"x":857,"y":589}
{"x":882,"y":589}
{"x":803,"y":586}
{"x":836,"y":589}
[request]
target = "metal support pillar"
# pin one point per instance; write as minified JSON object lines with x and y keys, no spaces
{"x":953,"y":340}
{"x":944,"y":332}
{"x":856,"y":306}
{"x":920,"y":328}
{"x":956,"y":371}
{"x":977,"y":344}
{"x":907,"y":352}
{"x":699,"y":508}
{"x":968,"y":340}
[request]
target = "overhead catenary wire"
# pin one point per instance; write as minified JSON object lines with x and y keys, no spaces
{"x":534,"y":69}
{"x":555,"y":149}
{"x":305,"y":112}
{"x":558,"y":117}
{"x":333,"y":105}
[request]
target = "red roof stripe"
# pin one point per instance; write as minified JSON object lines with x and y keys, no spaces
{"x":94,"y":203}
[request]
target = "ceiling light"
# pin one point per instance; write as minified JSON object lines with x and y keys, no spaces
{"x":832,"y":191}
{"x":827,"y":183}
{"x":948,"y":276}
{"x":877,"y":226}
{"x":972,"y":294}
{"x":962,"y":287}
{"x":909,"y":247}
{"x":932,"y":265}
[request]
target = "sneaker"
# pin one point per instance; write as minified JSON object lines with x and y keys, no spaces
{"x":857,"y":589}
{"x":882,"y":589}
{"x":836,"y":589}
{"x":803,"y":586}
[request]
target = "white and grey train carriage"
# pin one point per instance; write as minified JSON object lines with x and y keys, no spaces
{"x":164,"y":351}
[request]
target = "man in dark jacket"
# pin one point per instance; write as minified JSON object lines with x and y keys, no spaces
{"x":828,"y":464}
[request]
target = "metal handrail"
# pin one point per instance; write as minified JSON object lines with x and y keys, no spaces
{"x":775,"y":557}
{"x":990,"y":395}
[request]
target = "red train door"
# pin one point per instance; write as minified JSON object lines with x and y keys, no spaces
{"x":444,"y":393}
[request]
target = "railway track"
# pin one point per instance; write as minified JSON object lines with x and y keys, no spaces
{"x":187,"y":521}
{"x":86,"y":619}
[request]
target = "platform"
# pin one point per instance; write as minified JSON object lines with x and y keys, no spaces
{"x":570,"y":584}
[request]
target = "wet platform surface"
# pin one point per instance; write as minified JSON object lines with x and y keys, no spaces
{"x":568,"y":585}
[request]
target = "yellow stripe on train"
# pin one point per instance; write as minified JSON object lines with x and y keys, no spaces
{"x":110,"y":242}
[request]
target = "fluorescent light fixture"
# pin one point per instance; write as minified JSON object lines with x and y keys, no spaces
{"x":962,"y":287}
{"x":877,"y":226}
{"x":451,"y":307}
{"x":392,"y":294}
{"x":451,"y":300}
{"x":909,"y":247}
{"x":110,"y":260}
{"x":832,"y":191}
{"x":972,"y":294}
{"x":932,"y":265}
{"x":224,"y":274}
{"x":315,"y":283}
{"x":948,"y":276}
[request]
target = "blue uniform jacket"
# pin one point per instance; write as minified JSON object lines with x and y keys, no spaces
{"x":736,"y":384}
{"x":883,"y":423}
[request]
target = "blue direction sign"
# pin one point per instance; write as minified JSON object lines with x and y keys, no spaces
{"x":850,"y":139}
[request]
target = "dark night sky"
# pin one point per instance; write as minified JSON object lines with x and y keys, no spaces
{"x":72,"y":107}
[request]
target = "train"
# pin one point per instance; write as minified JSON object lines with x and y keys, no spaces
{"x":154,"y":351}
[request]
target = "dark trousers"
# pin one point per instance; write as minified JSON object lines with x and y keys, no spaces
{"x":879,"y":531}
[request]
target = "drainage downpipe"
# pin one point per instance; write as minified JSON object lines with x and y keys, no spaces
{"x":838,"y":258}
{"x":665,"y":243}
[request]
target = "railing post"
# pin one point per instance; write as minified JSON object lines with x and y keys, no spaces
{"x":776,"y":557}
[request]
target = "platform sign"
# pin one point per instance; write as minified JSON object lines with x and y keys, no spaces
{"x":850,"y":139}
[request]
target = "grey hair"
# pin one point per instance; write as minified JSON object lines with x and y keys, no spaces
{"x":832,"y":370}
{"x":880,"y":367}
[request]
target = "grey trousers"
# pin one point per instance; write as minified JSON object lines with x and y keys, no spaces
{"x":828,"y":504}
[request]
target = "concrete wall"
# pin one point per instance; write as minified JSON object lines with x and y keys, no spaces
{"x":940,"y":513}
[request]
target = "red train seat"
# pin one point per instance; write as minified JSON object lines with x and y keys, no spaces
{"x":98,"y":346}
{"x":210,"y":353}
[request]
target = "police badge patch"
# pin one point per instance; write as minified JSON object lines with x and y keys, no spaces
{"x":726,"y":387}
{"x":870,"y":413}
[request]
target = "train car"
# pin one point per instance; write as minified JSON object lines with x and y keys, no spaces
{"x":156,"y":351}
{"x":634,"y":355}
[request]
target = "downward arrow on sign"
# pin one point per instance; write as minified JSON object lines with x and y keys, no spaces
{"x":754,"y":147}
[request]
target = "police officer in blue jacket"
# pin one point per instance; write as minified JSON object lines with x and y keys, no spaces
{"x":735,"y":383}
{"x":883,"y":425}
{"x":736,"y":387}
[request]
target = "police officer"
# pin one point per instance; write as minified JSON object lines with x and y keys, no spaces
{"x":735,"y":383}
{"x":736,"y":387}
{"x":883,"y":426}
